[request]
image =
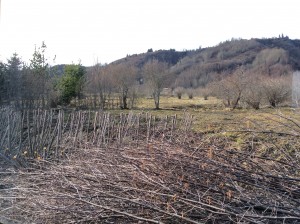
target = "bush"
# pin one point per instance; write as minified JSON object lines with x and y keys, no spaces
{"x":179,"y":92}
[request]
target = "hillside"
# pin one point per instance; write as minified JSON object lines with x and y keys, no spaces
{"x":171,"y":56}
{"x":194,"y":68}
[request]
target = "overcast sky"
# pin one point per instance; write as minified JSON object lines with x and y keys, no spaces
{"x":106,"y":30}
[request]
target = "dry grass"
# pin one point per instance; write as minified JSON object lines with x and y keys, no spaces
{"x":211,"y":117}
{"x":175,"y":103}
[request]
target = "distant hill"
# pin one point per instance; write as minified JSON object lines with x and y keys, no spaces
{"x":58,"y":70}
{"x":171,"y":56}
{"x":268,"y":56}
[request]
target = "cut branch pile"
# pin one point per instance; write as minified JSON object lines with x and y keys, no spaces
{"x":159,"y":182}
{"x":94,"y":167}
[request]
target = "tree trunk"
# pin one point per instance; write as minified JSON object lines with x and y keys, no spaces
{"x":273,"y":103}
{"x":237,"y":101}
{"x":156,"y":101}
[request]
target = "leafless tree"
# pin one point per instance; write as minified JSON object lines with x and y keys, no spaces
{"x":155,"y":74}
{"x":99,"y":84}
{"x":253,"y":93}
{"x":124,"y":77}
{"x":179,"y":92}
{"x":268,"y":58}
{"x":204,"y":92}
{"x":230,"y":89}
{"x":277,"y":90}
{"x":190,"y":92}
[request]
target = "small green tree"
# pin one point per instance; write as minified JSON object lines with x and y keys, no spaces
{"x":71,"y":83}
{"x":38,"y":63}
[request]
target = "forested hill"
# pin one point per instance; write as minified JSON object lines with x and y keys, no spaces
{"x":269,"y":56}
{"x":171,"y":56}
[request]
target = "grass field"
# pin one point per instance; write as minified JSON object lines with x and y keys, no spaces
{"x":184,"y":103}
{"x":211,"y":116}
{"x":239,"y":126}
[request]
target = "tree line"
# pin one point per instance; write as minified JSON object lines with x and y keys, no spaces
{"x":126,"y":82}
{"x":37,"y":84}
{"x":40,"y":85}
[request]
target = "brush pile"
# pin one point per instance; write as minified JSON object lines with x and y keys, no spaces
{"x":183,"y":178}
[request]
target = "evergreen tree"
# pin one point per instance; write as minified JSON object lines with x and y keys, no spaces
{"x":71,"y":83}
{"x":13,"y":78}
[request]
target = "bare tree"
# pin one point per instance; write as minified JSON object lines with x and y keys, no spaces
{"x":179,"y":92}
{"x":190,"y":92}
{"x":99,"y":84}
{"x":155,"y":74}
{"x":231,"y":88}
{"x":277,"y":90}
{"x":124,"y":76}
{"x":221,"y":90}
{"x":253,"y":92}
{"x":204,"y":92}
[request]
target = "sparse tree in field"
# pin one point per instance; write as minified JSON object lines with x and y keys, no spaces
{"x":179,"y":92}
{"x":99,"y":83}
{"x":124,"y":77}
{"x":253,"y":93}
{"x":277,"y":90}
{"x":190,"y":92}
{"x":155,"y":75}
{"x":231,"y":88}
{"x":238,"y":83}
{"x":221,"y":90}
{"x":204,"y":92}
{"x":188,"y":78}
{"x":71,"y":83}
{"x":134,"y":94}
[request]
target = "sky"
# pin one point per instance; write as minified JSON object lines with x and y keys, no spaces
{"x":102,"y":31}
